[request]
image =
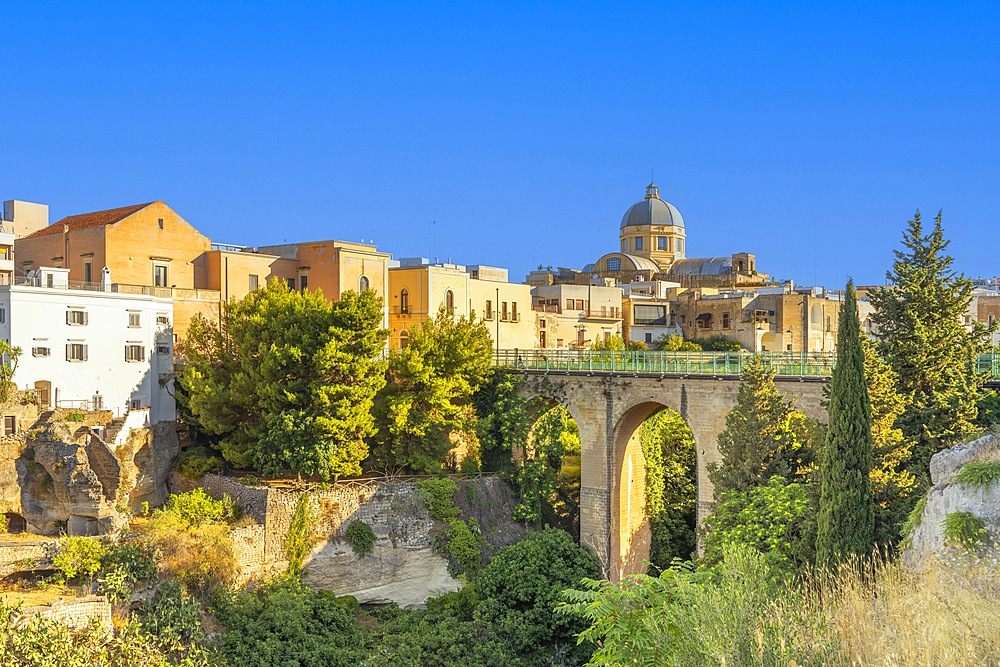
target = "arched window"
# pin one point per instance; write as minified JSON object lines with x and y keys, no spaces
{"x":404,"y":301}
{"x":449,"y":302}
{"x":363,"y":284}
{"x":404,"y":337}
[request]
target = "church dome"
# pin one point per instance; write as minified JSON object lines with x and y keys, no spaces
{"x":652,"y":211}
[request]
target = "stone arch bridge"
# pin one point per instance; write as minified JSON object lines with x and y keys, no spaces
{"x":608,"y":408}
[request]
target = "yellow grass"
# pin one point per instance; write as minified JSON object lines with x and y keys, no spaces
{"x":37,"y":597}
{"x":939,"y":615}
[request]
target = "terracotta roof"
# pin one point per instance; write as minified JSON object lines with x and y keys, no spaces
{"x":85,"y":220}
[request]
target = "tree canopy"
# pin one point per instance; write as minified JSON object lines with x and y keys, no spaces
{"x":287,"y":380}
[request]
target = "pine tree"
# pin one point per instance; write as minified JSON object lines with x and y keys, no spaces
{"x":846,"y":509}
{"x":924,"y":340}
{"x":758,"y":441}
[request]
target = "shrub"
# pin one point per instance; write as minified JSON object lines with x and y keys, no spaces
{"x":361,"y":537}
{"x":438,"y":496}
{"x":301,"y":537}
{"x":3,"y":523}
{"x":464,"y":547}
{"x":75,"y":417}
{"x":964,"y":530}
{"x":913,"y":518}
{"x":79,"y":556}
{"x":978,"y":473}
{"x":198,"y":461}
{"x":717,"y":343}
{"x":124,"y":565}
{"x":196,"y":507}
{"x":174,"y":620}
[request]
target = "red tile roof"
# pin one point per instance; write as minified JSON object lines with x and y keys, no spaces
{"x":85,"y":220}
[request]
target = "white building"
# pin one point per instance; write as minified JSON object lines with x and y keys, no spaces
{"x":90,"y":349}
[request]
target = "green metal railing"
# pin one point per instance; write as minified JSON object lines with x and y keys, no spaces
{"x":648,"y":362}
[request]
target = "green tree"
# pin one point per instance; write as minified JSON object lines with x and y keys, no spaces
{"x":503,"y":423}
{"x":923,"y":338}
{"x":288,"y":380}
{"x":8,"y":365}
{"x":673,"y":343}
{"x":518,"y":592}
{"x":671,"y":486}
{"x":549,"y":494}
{"x":759,"y":441}
{"x":428,"y":397}
{"x":717,"y":343}
{"x":846,"y":521}
{"x":893,"y":486}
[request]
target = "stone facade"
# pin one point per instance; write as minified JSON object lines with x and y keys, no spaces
{"x":608,"y":411}
{"x":24,"y":556}
{"x":76,"y":614}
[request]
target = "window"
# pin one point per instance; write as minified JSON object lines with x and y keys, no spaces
{"x":41,"y":352}
{"x":135,"y":404}
{"x":650,"y":315}
{"x":449,"y":302}
{"x":579,"y":304}
{"x":624,"y":249}
{"x":513,"y":312}
{"x":827,"y":322}
{"x":76,"y":318}
{"x":88,"y":271}
{"x":607,"y":335}
{"x":503,"y":312}
{"x":9,"y":425}
{"x":3,"y":314}
{"x":159,"y":223}
{"x":303,"y":282}
{"x":133,"y":320}
{"x":541,"y":338}
{"x":649,"y":338}
{"x":614,"y":264}
{"x":541,"y":324}
{"x":159,"y":275}
{"x":569,"y":304}
{"x":725,"y":320}
{"x":49,"y":280}
{"x":163,"y":349}
{"x":162,"y":319}
{"x":404,"y":301}
{"x":680,"y":246}
{"x":363,"y":284}
{"x":76,"y":351}
{"x":661,"y":242}
{"x":489,"y":309}
{"x":254,"y":281}
{"x":291,"y":284}
{"x":403,"y":339}
{"x":638,"y":243}
{"x":135,"y":353}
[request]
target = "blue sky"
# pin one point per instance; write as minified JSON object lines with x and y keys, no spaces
{"x":518,"y":134}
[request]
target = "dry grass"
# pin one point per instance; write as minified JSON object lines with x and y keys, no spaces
{"x":37,"y":597}
{"x":941,"y":615}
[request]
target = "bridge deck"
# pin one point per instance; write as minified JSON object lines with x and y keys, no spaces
{"x":649,"y":362}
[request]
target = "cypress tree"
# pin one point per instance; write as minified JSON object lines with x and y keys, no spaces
{"x":923,"y":338}
{"x":846,"y":522}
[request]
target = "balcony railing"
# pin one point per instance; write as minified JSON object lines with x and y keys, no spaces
{"x":181,"y":293}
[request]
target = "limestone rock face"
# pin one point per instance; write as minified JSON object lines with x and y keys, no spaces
{"x":946,"y":497}
{"x":406,"y":576}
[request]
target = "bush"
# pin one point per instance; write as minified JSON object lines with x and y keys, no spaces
{"x":964,"y":530}
{"x":717,"y":343}
{"x":464,"y":547}
{"x":978,"y":473}
{"x":198,"y":461}
{"x":438,"y":496}
{"x":301,"y":537}
{"x":174,"y":620}
{"x":124,"y":565}
{"x":197,"y":507}
{"x":361,"y":537}
{"x":79,"y":556}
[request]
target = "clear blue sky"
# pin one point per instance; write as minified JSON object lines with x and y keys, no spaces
{"x":807,"y":134}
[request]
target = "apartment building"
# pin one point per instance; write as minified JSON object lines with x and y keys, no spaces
{"x":576,"y":316}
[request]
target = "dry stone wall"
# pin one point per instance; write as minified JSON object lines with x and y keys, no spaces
{"x":76,"y":614}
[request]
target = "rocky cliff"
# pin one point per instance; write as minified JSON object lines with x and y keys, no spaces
{"x":949,"y":495}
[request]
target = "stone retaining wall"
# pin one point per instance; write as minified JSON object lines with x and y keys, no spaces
{"x":15,"y":555}
{"x":75,"y":614}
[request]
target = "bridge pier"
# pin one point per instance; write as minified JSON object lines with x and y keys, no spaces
{"x":608,"y":410}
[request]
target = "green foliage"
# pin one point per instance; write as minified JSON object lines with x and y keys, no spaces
{"x":518,"y":592}
{"x":913,"y":518}
{"x":196,"y":507}
{"x":463,"y":544}
{"x":717,"y":343}
{"x":923,"y":338}
{"x":284,"y":623}
{"x":965,"y":530}
{"x":123,"y":566}
{"x":443,"y":635}
{"x":758,"y":442}
{"x":738,"y":615}
{"x":39,"y":642}
{"x":671,"y":486}
{"x":446,"y":360}
{"x":301,"y":534}
{"x":979,"y":473}
{"x":504,"y":421}
{"x":361,"y":537}
{"x":772,"y":519}
{"x":988,"y":410}
{"x":675,"y":342}
{"x":198,"y":461}
{"x":893,"y":486}
{"x":75,"y":417}
{"x":288,"y":380}
{"x":79,"y":556}
{"x":548,"y":493}
{"x":8,"y":365}
{"x":846,"y":523}
{"x":438,"y":496}
{"x":173,"y":619}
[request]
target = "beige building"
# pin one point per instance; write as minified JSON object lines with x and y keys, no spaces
{"x":649,"y":311}
{"x":576,"y":316}
{"x":418,"y":289}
